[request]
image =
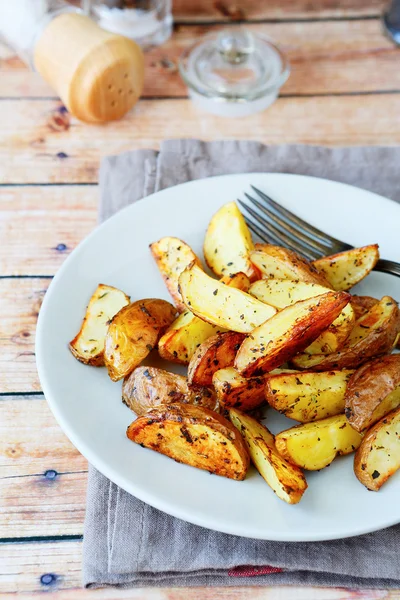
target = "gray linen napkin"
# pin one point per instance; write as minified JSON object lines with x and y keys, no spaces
{"x":129,"y":543}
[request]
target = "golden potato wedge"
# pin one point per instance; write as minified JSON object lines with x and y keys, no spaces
{"x":216,"y":353}
{"x":220,"y":304}
{"x":240,"y":281}
{"x":133,"y":333}
{"x":172,"y":256}
{"x":187,"y":332}
{"x":274,"y":342}
{"x":287,"y":481}
{"x":345,"y":269}
{"x":88,"y":345}
{"x":378,"y":456}
{"x":374,"y":335}
{"x":275,"y":262}
{"x":228,"y":242}
{"x":147,"y":387}
{"x":307,"y":396}
{"x":362,"y":304}
{"x":282,"y":293}
{"x":195,"y":436}
{"x":373,"y":391}
{"x":315,"y":445}
{"x":235,"y":391}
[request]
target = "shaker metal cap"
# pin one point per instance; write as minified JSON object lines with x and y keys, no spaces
{"x":234,"y":72}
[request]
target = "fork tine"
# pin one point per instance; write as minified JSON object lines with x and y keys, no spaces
{"x":301,"y":240}
{"x":271,"y":233}
{"x":324,"y":238}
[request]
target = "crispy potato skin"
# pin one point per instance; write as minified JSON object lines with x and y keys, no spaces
{"x":216,"y":353}
{"x":147,"y":387}
{"x":378,"y":456}
{"x":275,"y":262}
{"x":313,"y":446}
{"x":235,"y":391}
{"x":307,"y":396}
{"x":172,"y":256}
{"x":228,"y":242}
{"x":345,"y":269}
{"x":220,"y":304}
{"x":374,"y":335}
{"x":362,"y":304}
{"x":295,"y":327}
{"x":195,"y":436}
{"x":366,"y":399}
{"x":88,"y":345}
{"x":133,"y":333}
{"x":286,"y":480}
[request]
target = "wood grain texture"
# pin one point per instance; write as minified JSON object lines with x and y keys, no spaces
{"x":42,"y":225}
{"x":34,"y":152}
{"x":338,"y":57}
{"x":20,"y":301}
{"x":31,"y":441}
{"x":24,"y":564}
{"x":36,"y":505}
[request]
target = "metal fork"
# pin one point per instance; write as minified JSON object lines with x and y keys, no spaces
{"x":277,"y":225}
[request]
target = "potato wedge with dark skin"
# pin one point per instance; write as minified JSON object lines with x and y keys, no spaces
{"x":195,"y":436}
{"x":373,"y":391}
{"x":275,"y":262}
{"x":280,"y":338}
{"x":172,"y":256}
{"x":227,"y":243}
{"x":216,"y":353}
{"x":362,"y":304}
{"x":133,"y":334}
{"x":147,"y":387}
{"x":313,"y":446}
{"x":235,"y":391}
{"x":307,"y":396}
{"x":378,"y":456}
{"x":287,"y":481}
{"x":88,"y":345}
{"x":345,"y":269}
{"x":374,"y":335}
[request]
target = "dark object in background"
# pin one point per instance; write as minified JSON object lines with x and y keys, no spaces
{"x":391,"y":21}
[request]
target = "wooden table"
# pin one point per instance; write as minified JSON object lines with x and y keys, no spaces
{"x":344,"y":90}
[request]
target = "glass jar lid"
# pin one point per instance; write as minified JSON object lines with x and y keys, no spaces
{"x":234,"y":65}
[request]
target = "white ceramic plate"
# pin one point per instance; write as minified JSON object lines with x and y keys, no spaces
{"x":88,"y":405}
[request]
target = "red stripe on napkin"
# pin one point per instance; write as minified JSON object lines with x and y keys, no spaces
{"x":249,"y":571}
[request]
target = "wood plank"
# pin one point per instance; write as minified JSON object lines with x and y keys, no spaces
{"x":37,"y":505}
{"x":24,"y":564}
{"x":20,"y":303}
{"x":332,"y":57}
{"x":228,"y":10}
{"x":33,"y":152}
{"x":24,"y":450}
{"x":52,"y":220}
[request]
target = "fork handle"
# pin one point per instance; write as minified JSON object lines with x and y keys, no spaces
{"x":388,"y":266}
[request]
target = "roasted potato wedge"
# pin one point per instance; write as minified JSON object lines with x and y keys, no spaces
{"x":373,"y":391}
{"x":228,"y":242}
{"x":282,"y":293}
{"x":240,"y":281}
{"x":307,"y":396}
{"x":274,"y":342}
{"x":172,"y":256}
{"x":362,"y":304}
{"x":275,"y":262}
{"x":345,"y":269}
{"x":235,"y":391}
{"x":195,"y":436}
{"x":216,"y":353}
{"x":220,"y":304}
{"x":133,"y":333}
{"x":315,"y":445}
{"x":88,"y":345}
{"x":378,"y":456}
{"x":147,"y":387}
{"x":286,"y":480}
{"x":374,"y":335}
